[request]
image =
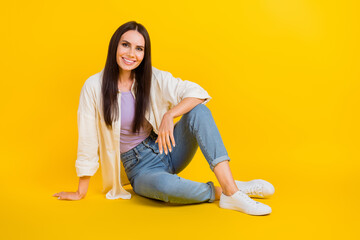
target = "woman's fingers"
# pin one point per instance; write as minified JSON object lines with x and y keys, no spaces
{"x":168,"y":142}
{"x":67,"y":196}
{"x":163,"y":141}
{"x":58,"y":195}
{"x":159,"y":143}
{"x":172,"y":138}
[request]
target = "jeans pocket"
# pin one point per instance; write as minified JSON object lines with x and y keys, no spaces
{"x":154,"y":147}
{"x":130,"y":163}
{"x":164,"y":158}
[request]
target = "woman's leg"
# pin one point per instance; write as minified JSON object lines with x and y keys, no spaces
{"x":223,"y":174}
{"x":151,"y":175}
{"x":167,"y":187}
{"x":198,"y":128}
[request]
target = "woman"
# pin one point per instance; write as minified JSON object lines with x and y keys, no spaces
{"x":125,"y":117}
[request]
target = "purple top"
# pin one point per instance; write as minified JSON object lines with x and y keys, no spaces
{"x":128,"y":139}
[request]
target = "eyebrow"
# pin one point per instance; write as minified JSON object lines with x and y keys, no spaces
{"x":130,"y":43}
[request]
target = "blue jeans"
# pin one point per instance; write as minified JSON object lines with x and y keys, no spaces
{"x":154,"y":175}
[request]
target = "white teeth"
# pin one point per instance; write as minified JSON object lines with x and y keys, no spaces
{"x":128,"y":61}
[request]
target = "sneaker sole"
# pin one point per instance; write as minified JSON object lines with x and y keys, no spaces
{"x":232,"y":207}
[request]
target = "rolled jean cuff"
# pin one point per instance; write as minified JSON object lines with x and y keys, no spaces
{"x":212,"y":197}
{"x":218,"y":160}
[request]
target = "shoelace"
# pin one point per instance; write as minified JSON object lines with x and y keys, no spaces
{"x":248,"y":199}
{"x":255,"y":189}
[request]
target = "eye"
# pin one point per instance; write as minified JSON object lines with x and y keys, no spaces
{"x":140,"y":49}
{"x":124,"y":44}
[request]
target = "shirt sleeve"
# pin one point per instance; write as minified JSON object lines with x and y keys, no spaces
{"x":87,"y":162}
{"x":175,"y":90}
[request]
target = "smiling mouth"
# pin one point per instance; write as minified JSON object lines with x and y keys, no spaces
{"x":128,"y":61}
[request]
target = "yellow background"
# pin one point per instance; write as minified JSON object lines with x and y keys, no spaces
{"x":284,"y":77}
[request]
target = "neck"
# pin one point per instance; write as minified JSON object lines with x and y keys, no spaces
{"x":124,"y":76}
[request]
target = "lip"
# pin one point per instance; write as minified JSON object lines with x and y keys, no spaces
{"x":127,"y":63}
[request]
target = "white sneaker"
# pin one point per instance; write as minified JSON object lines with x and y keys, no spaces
{"x":256,"y":188}
{"x":241,"y":202}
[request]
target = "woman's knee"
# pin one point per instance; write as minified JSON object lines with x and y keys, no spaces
{"x":199,"y":110}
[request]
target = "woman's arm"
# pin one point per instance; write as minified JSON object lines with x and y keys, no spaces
{"x":167,"y":123}
{"x":83,"y":185}
{"x":87,"y":161}
{"x":79,"y":194}
{"x":184,"y":106}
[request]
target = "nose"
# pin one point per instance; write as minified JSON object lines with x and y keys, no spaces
{"x":132,"y":52}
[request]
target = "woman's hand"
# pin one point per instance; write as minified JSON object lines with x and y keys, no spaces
{"x":79,"y":194}
{"x":69,"y":195}
{"x":166,"y":130}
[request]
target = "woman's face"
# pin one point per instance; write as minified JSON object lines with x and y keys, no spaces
{"x":130,"y":51}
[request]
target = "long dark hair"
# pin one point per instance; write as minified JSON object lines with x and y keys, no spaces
{"x":109,"y":88}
